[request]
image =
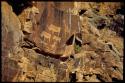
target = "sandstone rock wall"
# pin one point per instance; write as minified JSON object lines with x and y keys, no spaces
{"x":90,"y":35}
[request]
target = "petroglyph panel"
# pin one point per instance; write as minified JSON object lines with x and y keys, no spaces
{"x":55,"y":27}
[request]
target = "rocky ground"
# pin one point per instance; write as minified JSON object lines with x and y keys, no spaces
{"x":98,"y":59}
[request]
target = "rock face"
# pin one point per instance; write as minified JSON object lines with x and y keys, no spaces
{"x":11,"y":39}
{"x":62,"y":42}
{"x":55,"y":28}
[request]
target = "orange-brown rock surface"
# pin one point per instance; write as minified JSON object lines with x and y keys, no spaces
{"x":62,"y":41}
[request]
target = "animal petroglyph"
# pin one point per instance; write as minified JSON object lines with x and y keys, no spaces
{"x":57,"y":38}
{"x":54,"y":29}
{"x":45,"y":36}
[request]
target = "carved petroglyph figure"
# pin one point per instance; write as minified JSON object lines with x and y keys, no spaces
{"x":45,"y":36}
{"x":54,"y":29}
{"x":53,"y":46}
{"x":57,"y":38}
{"x":56,"y":41}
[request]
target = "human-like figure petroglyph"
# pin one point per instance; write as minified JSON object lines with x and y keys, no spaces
{"x":57,"y":40}
{"x":53,"y":46}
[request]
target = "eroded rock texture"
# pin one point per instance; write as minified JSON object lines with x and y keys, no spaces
{"x":62,"y":41}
